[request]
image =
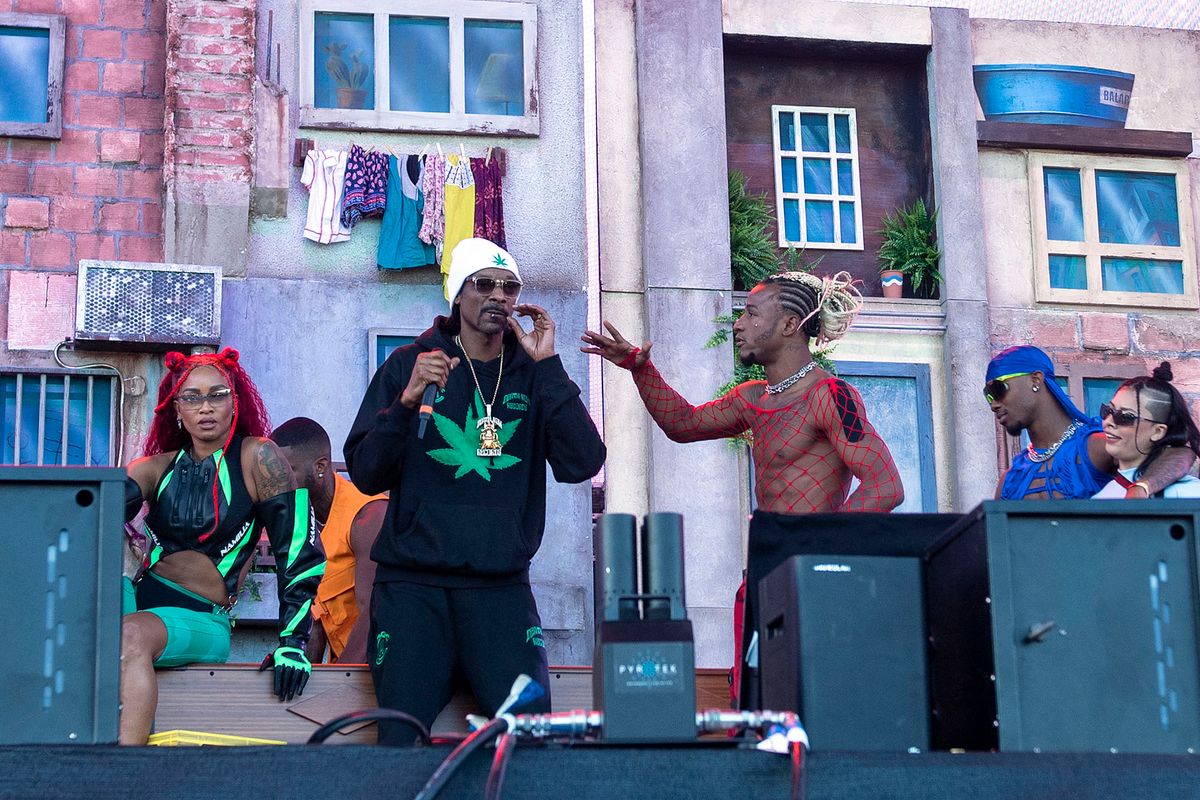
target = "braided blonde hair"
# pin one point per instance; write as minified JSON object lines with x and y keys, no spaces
{"x":826,"y":305}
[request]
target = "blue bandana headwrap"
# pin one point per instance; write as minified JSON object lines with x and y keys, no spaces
{"x":1027,"y":358}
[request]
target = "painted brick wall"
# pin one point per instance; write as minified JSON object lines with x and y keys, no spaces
{"x":1114,"y":342}
{"x":98,"y":191}
{"x":209,"y":100}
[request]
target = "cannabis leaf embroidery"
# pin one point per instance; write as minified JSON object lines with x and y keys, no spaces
{"x":499,"y":260}
{"x":464,"y":442}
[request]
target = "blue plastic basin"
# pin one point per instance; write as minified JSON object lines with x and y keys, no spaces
{"x":1054,"y":94}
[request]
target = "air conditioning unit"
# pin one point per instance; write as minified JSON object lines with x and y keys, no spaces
{"x":130,"y":306}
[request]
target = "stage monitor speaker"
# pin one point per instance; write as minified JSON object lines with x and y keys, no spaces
{"x":842,"y":643}
{"x":61,"y":656}
{"x":1076,"y":621}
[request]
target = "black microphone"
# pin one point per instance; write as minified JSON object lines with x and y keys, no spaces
{"x":426,"y":408}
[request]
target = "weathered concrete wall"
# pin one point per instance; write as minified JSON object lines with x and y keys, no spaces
{"x":829,"y":20}
{"x":963,"y":264}
{"x":1165,"y":97}
{"x":686,"y":269}
{"x":302,"y":314}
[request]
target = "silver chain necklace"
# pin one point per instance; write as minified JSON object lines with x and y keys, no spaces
{"x":1048,"y":453}
{"x":788,"y":382}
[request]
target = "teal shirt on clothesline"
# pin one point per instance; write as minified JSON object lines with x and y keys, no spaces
{"x":399,"y":247}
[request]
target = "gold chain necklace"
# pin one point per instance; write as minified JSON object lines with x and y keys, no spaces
{"x":489,"y":439}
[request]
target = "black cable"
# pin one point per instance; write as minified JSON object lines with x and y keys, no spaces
{"x":495,"y":781}
{"x":387,"y":714}
{"x":445,"y":771}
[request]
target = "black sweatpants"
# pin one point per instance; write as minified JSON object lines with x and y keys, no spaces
{"x":423,"y":637}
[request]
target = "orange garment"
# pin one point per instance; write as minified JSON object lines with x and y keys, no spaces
{"x":334,"y":606}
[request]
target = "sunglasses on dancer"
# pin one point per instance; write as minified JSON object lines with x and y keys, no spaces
{"x":510,"y":287}
{"x":996,"y":388}
{"x":1122,"y":417}
{"x":216,"y":399}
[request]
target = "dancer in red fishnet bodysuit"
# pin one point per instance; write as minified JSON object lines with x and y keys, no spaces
{"x":810,"y":433}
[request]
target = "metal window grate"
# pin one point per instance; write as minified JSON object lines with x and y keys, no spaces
{"x":155,"y":304}
{"x":58,"y":419}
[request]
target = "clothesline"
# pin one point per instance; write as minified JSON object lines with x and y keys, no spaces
{"x":429,"y":201}
{"x":498,"y":154}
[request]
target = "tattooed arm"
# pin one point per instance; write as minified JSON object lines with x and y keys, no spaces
{"x":284,"y":511}
{"x":270,"y":473}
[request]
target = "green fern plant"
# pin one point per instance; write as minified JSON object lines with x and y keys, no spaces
{"x":908,"y":246}
{"x":751,"y":251}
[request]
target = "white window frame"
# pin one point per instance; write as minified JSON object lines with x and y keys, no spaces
{"x":457,"y":120}
{"x":1092,"y":248}
{"x":800,"y":195}
{"x":373,"y":337}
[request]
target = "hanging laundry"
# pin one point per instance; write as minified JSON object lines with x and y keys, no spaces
{"x":460,"y":208}
{"x":489,"y":202}
{"x":399,"y":245}
{"x":366,"y":185}
{"x":433,"y":217}
{"x":324,"y":176}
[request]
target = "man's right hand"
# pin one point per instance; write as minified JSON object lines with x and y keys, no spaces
{"x":431,"y":367}
{"x":616,"y":349}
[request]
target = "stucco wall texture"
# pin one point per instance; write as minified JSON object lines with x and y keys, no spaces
{"x":302,"y":314}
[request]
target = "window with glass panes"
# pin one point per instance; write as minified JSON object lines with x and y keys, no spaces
{"x":817,"y":196}
{"x":31,"y":69}
{"x":456,"y":65}
{"x":1112,"y":230}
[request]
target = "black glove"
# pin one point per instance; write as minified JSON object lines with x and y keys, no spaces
{"x":291,"y":670}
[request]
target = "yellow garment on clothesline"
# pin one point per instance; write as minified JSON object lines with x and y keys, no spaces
{"x":460,"y":208}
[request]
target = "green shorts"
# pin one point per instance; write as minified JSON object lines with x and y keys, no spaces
{"x":192,"y":636}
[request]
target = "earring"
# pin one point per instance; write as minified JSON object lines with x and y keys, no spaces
{"x":320,"y":474}
{"x":1035,"y":388}
{"x":178,"y":423}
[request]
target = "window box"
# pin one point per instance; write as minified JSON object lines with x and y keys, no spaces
{"x":31,"y":50}
{"x":817,"y":196}
{"x":1112,"y":230}
{"x":458,"y":66}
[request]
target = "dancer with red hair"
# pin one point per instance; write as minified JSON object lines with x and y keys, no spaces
{"x":212,"y":481}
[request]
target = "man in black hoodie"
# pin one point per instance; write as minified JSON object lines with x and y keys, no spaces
{"x":468,"y":492}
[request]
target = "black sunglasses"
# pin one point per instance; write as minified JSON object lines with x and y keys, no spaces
{"x":510,"y":287}
{"x":996,"y":388}
{"x":1122,"y":417}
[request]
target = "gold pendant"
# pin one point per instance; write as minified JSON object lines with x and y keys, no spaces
{"x":489,"y":440}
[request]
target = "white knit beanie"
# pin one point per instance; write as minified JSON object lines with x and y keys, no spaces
{"x":472,"y":255}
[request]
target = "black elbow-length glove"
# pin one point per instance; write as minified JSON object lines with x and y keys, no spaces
{"x":299,"y":564}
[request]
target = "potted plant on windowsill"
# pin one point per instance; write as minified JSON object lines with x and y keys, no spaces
{"x":350,"y":78}
{"x":908,"y":251}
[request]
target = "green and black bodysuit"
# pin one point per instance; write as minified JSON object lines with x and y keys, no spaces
{"x":182,"y":515}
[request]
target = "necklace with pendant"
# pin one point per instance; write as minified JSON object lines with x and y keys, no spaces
{"x":488,"y":426}
{"x":776,"y":388}
{"x":1038,"y":457}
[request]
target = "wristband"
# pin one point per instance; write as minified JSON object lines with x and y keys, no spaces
{"x":1144,"y":485}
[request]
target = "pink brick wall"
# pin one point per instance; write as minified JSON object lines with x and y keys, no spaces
{"x":209,"y":108}
{"x":98,"y":191}
{"x":41,"y":309}
{"x":1119,"y":341}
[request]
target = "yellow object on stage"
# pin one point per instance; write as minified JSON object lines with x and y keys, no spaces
{"x":181,"y":737}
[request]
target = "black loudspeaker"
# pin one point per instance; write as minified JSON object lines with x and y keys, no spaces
{"x":842,"y":643}
{"x":775,"y":538}
{"x":1068,"y":626}
{"x":61,"y":656}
